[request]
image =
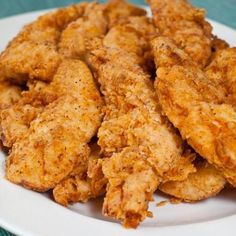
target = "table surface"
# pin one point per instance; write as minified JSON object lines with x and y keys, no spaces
{"x":219,"y":10}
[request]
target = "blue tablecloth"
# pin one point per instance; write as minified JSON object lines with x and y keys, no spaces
{"x":223,"y":11}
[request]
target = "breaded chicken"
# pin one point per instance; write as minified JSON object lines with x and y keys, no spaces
{"x":142,"y":146}
{"x":92,"y":24}
{"x":116,"y":10}
{"x":206,"y":182}
{"x":38,"y":41}
{"x":200,"y":104}
{"x":95,"y":22}
{"x":186,"y":25}
{"x":9,"y":94}
{"x":15,"y":120}
{"x":218,"y":44}
{"x":82,"y":186}
{"x":56,"y":140}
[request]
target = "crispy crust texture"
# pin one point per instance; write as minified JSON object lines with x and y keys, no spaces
{"x":56,"y":140}
{"x":200,"y":104}
{"x":186,"y":25}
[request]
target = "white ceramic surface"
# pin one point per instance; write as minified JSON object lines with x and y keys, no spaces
{"x":29,"y":213}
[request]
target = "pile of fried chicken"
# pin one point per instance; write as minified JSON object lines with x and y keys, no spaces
{"x":101,"y":100}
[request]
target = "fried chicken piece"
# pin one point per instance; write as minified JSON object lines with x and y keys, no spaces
{"x":88,"y":183}
{"x":222,"y":70}
{"x":143,"y":147}
{"x":9,"y":94}
{"x":56,"y":140}
{"x":199,"y":103}
{"x":186,"y":25}
{"x":92,"y":24}
{"x":132,"y":34}
{"x":117,"y":10}
{"x":38,"y":41}
{"x":206,"y":182}
{"x":132,"y":180}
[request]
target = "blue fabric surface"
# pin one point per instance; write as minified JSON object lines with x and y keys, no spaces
{"x":219,"y":10}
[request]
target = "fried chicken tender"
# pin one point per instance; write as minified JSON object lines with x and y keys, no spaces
{"x":9,"y":94}
{"x":56,"y":140}
{"x":186,"y":25}
{"x":95,"y":22}
{"x":201,"y":105}
{"x":132,"y":181}
{"x":206,"y":182}
{"x":142,"y":146}
{"x":38,"y":41}
{"x":89,"y":183}
{"x":92,"y":24}
{"x":117,"y":10}
{"x":15,"y":120}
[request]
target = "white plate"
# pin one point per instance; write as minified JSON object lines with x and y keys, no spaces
{"x":27,"y":213}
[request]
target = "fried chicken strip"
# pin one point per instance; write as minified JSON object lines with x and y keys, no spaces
{"x":95,"y":22}
{"x":92,"y":24}
{"x":201,"y":105}
{"x":38,"y":41}
{"x":186,"y":25}
{"x":56,"y":140}
{"x":87,"y":184}
{"x":117,"y":10}
{"x":142,"y":146}
{"x":206,"y":182}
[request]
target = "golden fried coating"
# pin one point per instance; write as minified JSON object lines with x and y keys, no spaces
{"x":9,"y":94}
{"x":92,"y":24}
{"x":201,"y":105}
{"x":222,"y":70}
{"x":206,"y":182}
{"x":56,"y":140}
{"x":90,"y":183}
{"x":117,"y":10}
{"x":218,"y":44}
{"x":134,"y":129}
{"x":38,"y":41}
{"x":132,"y":180}
{"x":186,"y":25}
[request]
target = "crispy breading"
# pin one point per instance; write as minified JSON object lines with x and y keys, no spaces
{"x":38,"y":41}
{"x":92,"y":24}
{"x":206,"y":182}
{"x":134,"y":129}
{"x":201,"y":105}
{"x":9,"y":94}
{"x":222,"y":70}
{"x":117,"y":10}
{"x":186,"y":25}
{"x":56,"y":140}
{"x":218,"y":44}
{"x":132,"y":180}
{"x":89,"y":183}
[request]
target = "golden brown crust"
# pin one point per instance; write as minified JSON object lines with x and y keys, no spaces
{"x":38,"y":40}
{"x":92,"y":24}
{"x":83,"y":184}
{"x":56,"y":140}
{"x":133,"y":130}
{"x":186,"y":25}
{"x":9,"y":94}
{"x":117,"y":10}
{"x":204,"y":183}
{"x":200,"y":105}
